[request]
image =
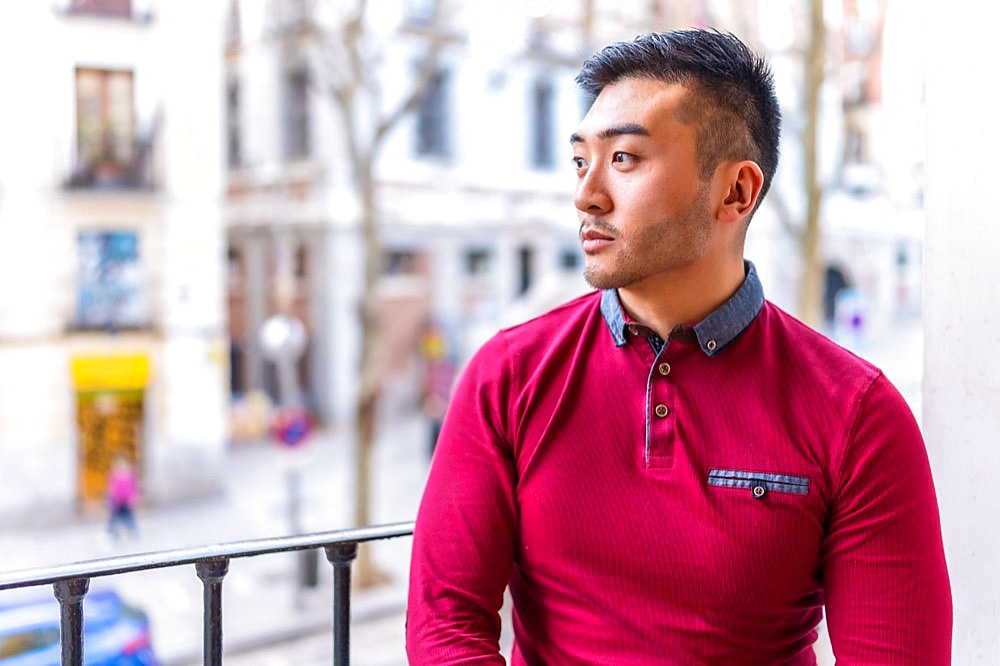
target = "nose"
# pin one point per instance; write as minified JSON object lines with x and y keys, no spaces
{"x":592,"y":193}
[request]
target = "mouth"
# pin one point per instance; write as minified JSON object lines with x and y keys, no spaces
{"x":592,"y":240}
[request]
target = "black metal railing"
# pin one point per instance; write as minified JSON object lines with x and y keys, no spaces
{"x":72,"y":581}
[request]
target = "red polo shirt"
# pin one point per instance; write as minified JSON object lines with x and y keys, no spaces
{"x":693,"y":501}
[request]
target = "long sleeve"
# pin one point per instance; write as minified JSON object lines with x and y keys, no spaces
{"x":886,"y":582}
{"x":464,"y":541}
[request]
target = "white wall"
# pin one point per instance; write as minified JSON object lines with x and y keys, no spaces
{"x":961,"y":413}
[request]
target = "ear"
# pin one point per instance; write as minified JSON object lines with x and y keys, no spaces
{"x":742,"y":182}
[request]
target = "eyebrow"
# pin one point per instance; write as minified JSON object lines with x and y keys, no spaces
{"x":617,"y":130}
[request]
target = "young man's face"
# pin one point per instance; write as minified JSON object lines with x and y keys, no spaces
{"x":644,"y":211}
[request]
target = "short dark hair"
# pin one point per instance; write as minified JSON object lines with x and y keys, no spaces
{"x":732,"y":98}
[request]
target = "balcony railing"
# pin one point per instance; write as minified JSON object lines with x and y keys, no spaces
{"x":72,"y":581}
{"x":134,"y":171}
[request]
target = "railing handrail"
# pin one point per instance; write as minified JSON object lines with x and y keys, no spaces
{"x":160,"y":559}
{"x":72,"y":581}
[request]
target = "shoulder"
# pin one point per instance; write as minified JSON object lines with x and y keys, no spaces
{"x":816,"y":370}
{"x":530,"y":342}
{"x":549,"y":328}
{"x":811,"y":352}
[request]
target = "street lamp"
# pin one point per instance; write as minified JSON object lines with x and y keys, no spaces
{"x":283,"y":341}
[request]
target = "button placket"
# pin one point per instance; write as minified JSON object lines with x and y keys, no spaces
{"x":660,"y":408}
{"x":660,"y":415}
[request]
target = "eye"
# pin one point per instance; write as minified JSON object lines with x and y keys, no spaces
{"x":579,"y":163}
{"x":623,"y":158}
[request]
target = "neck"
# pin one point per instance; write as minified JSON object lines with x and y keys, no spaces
{"x":681,"y":297}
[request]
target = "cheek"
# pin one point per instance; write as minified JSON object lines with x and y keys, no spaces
{"x":653,"y":200}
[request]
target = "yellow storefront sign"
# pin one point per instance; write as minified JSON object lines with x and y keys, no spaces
{"x":118,"y":371}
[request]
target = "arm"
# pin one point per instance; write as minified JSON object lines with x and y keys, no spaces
{"x":887,"y":592}
{"x":466,"y":529}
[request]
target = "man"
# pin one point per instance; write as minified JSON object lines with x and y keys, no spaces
{"x":671,"y":470}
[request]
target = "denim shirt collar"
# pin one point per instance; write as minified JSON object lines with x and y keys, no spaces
{"x":713,"y":332}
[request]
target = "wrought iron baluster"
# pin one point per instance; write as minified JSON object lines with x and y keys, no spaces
{"x":70,"y":594}
{"x":342,"y":555}
{"x":211,"y":572}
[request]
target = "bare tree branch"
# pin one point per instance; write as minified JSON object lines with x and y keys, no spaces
{"x":421,"y":86}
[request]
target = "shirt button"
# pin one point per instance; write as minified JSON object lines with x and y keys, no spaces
{"x":664,"y":369}
{"x":759,"y":489}
{"x":661,"y":410}
{"x":711,"y":344}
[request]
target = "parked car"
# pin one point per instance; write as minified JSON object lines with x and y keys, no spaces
{"x":114,"y":632}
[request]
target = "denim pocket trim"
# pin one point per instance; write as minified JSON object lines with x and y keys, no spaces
{"x":758,"y":482}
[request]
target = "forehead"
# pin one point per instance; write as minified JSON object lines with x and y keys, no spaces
{"x":650,"y":103}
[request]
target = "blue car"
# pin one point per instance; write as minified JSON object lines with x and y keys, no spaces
{"x":114,"y":633}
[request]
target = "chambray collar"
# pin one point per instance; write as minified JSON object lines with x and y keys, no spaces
{"x":713,"y":332}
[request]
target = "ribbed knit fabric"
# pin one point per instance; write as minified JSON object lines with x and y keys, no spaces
{"x":698,"y":512}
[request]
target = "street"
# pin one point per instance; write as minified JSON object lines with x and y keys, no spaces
{"x":261,"y":602}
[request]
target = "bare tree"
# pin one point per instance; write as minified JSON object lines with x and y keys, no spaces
{"x":808,"y":233}
{"x":346,"y":53}
{"x":811,"y":292}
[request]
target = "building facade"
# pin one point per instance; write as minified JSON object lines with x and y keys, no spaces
{"x":474,"y":186}
{"x":112,"y":325}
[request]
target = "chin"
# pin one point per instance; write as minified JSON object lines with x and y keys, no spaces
{"x":599,"y":279}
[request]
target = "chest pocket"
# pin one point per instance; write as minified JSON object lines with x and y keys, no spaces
{"x":759,"y":484}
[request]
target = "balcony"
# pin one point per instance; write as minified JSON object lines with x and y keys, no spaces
{"x":109,"y":159}
{"x":107,"y":9}
{"x":128,"y":174}
{"x":71,"y":582}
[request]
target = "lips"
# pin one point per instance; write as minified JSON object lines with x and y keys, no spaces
{"x":592,"y":240}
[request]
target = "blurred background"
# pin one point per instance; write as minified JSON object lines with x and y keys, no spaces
{"x":249,"y":244}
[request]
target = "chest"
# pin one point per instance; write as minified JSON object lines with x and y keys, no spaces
{"x":670,"y":476}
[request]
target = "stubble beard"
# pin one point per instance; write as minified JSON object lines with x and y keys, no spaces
{"x":668,"y":245}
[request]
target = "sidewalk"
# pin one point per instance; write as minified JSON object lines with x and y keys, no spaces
{"x":261,"y":603}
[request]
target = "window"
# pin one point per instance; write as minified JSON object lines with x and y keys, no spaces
{"x":433,"y":120}
{"x":296,"y":113}
{"x":569,"y":258}
{"x":525,"y":268}
{"x":234,"y":146}
{"x":400,"y":262}
{"x":420,"y":12}
{"x":477,"y":262}
{"x":110,"y":291}
{"x":105,"y":128}
{"x":234,"y":29}
{"x":542,"y":118}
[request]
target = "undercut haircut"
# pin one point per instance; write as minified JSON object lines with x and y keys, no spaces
{"x":731,"y":98}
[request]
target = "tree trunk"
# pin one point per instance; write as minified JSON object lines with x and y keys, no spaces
{"x":366,"y":573}
{"x":811,"y":286}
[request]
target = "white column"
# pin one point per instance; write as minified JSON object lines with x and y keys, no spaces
{"x":961,"y":412}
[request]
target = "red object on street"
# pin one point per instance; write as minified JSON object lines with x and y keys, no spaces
{"x":291,"y":426}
